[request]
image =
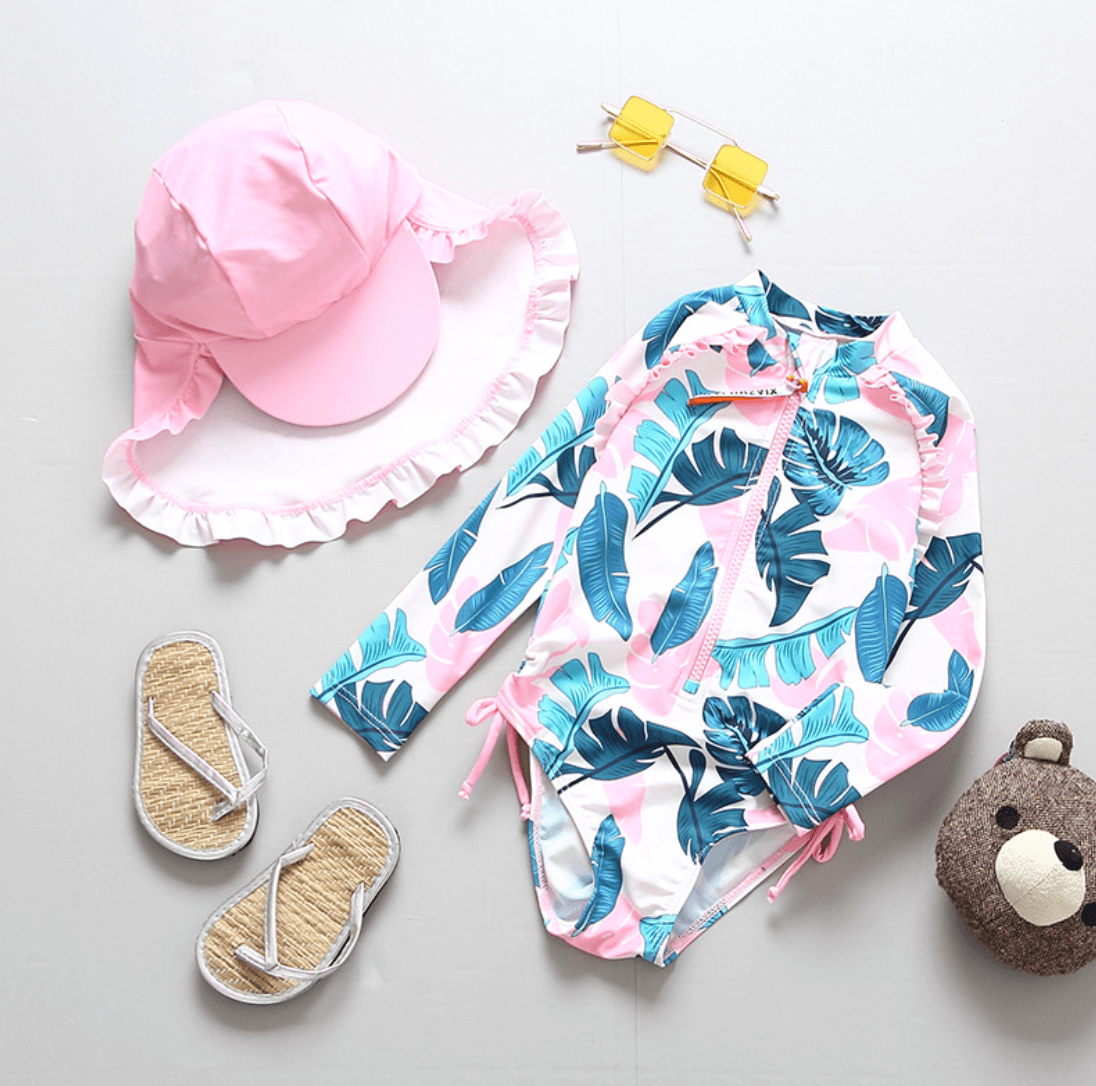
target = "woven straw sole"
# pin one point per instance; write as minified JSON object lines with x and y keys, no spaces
{"x":175,"y":804}
{"x":353,"y":843}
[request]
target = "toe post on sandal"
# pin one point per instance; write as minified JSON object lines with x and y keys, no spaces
{"x":299,"y":920}
{"x":194,"y":791}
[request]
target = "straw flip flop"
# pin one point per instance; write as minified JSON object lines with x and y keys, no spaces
{"x":194,"y":792}
{"x":298,"y":921}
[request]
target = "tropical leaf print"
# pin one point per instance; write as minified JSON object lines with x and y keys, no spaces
{"x":845,"y":324}
{"x":702,"y":820}
{"x":496,"y":601}
{"x":663,"y":326}
{"x":567,"y":549}
{"x":737,"y":723}
{"x":583,"y":685}
{"x":655,"y":931}
{"x":385,"y":726}
{"x":688,"y":604}
{"x":826,"y":454}
{"x":661,"y":446}
{"x":708,"y":477}
{"x":602,"y":570}
{"x":791,"y":651}
{"x":562,"y":434}
{"x":941,"y":577}
{"x":382,"y":645}
{"x":444,"y":565}
{"x":826,"y":722}
{"x":878,"y":620}
{"x":608,"y":877}
{"x":817,"y":790}
{"x":782,"y":546}
{"x":759,"y":358}
{"x":929,"y":401}
{"x":782,"y":304}
{"x":732,"y":727}
{"x":836,"y":380}
{"x":621,"y":749}
{"x":752,"y":301}
{"x":939,"y":712}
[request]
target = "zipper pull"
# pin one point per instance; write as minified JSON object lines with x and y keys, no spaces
{"x":795,"y":384}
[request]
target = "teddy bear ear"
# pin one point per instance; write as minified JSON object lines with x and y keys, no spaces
{"x":1043,"y":741}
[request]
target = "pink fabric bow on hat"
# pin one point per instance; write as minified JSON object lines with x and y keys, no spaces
{"x":289,"y":250}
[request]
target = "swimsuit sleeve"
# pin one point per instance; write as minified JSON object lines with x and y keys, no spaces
{"x":909,"y":669}
{"x":494,"y":566}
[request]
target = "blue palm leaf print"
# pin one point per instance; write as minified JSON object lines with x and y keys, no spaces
{"x":602,"y":570}
{"x":655,"y":931}
{"x":826,"y":454}
{"x":562,"y":434}
{"x":498,"y":600}
{"x":708,"y":477}
{"x":837,"y":378}
{"x":878,"y":620}
{"x":826,"y":722}
{"x":845,"y":324}
{"x":791,"y":651}
{"x":688,"y":603}
{"x":781,"y":547}
{"x":663,"y":326}
{"x":929,"y":401}
{"x":608,"y":878}
{"x":382,"y":645}
{"x":941,"y":577}
{"x":817,"y":790}
{"x":759,"y":358}
{"x":703,"y":820}
{"x":939,"y":712}
{"x":738,"y":723}
{"x":571,"y":469}
{"x":732,"y":727}
{"x":444,"y":565}
{"x":621,"y":749}
{"x":661,"y":446}
{"x":567,"y":549}
{"x":782,"y":304}
{"x":752,"y":300}
{"x":384,"y":726}
{"x":584,"y":686}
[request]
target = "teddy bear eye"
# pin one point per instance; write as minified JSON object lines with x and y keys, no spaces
{"x":1088,"y":914}
{"x":1008,"y":818}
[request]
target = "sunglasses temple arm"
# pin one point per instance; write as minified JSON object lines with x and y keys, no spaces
{"x":594,"y":145}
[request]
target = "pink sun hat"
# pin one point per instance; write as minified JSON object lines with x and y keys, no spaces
{"x":275,"y":241}
{"x":386,"y":329}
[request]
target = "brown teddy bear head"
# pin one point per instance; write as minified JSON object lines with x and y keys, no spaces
{"x":1017,"y":855}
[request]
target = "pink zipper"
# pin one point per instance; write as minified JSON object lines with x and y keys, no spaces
{"x":745,"y":534}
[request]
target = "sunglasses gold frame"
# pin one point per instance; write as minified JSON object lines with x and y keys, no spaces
{"x":732,"y":177}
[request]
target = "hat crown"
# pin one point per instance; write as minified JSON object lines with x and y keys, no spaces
{"x":261,"y":219}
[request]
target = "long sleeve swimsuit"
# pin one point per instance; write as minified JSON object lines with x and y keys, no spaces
{"x":754,"y":541}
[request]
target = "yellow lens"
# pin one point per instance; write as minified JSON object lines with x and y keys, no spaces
{"x":641,"y":128}
{"x":734,"y":176}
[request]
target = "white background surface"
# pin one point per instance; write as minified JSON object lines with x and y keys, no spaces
{"x":933,"y":157}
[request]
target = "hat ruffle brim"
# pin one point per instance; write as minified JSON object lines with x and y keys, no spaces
{"x":495,"y":343}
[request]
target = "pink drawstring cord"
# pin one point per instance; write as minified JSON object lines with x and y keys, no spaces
{"x":480,"y":711}
{"x":821,"y":844}
{"x":516,"y":773}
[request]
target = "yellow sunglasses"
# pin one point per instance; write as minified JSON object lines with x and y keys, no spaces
{"x":732,"y":178}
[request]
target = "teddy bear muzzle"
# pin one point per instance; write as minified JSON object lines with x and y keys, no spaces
{"x":1041,"y":876}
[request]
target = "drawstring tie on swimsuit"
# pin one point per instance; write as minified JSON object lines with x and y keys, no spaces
{"x":821,"y":843}
{"x":480,"y":711}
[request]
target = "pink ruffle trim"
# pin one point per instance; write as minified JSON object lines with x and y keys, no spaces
{"x":893,"y":336}
{"x":555,"y":258}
